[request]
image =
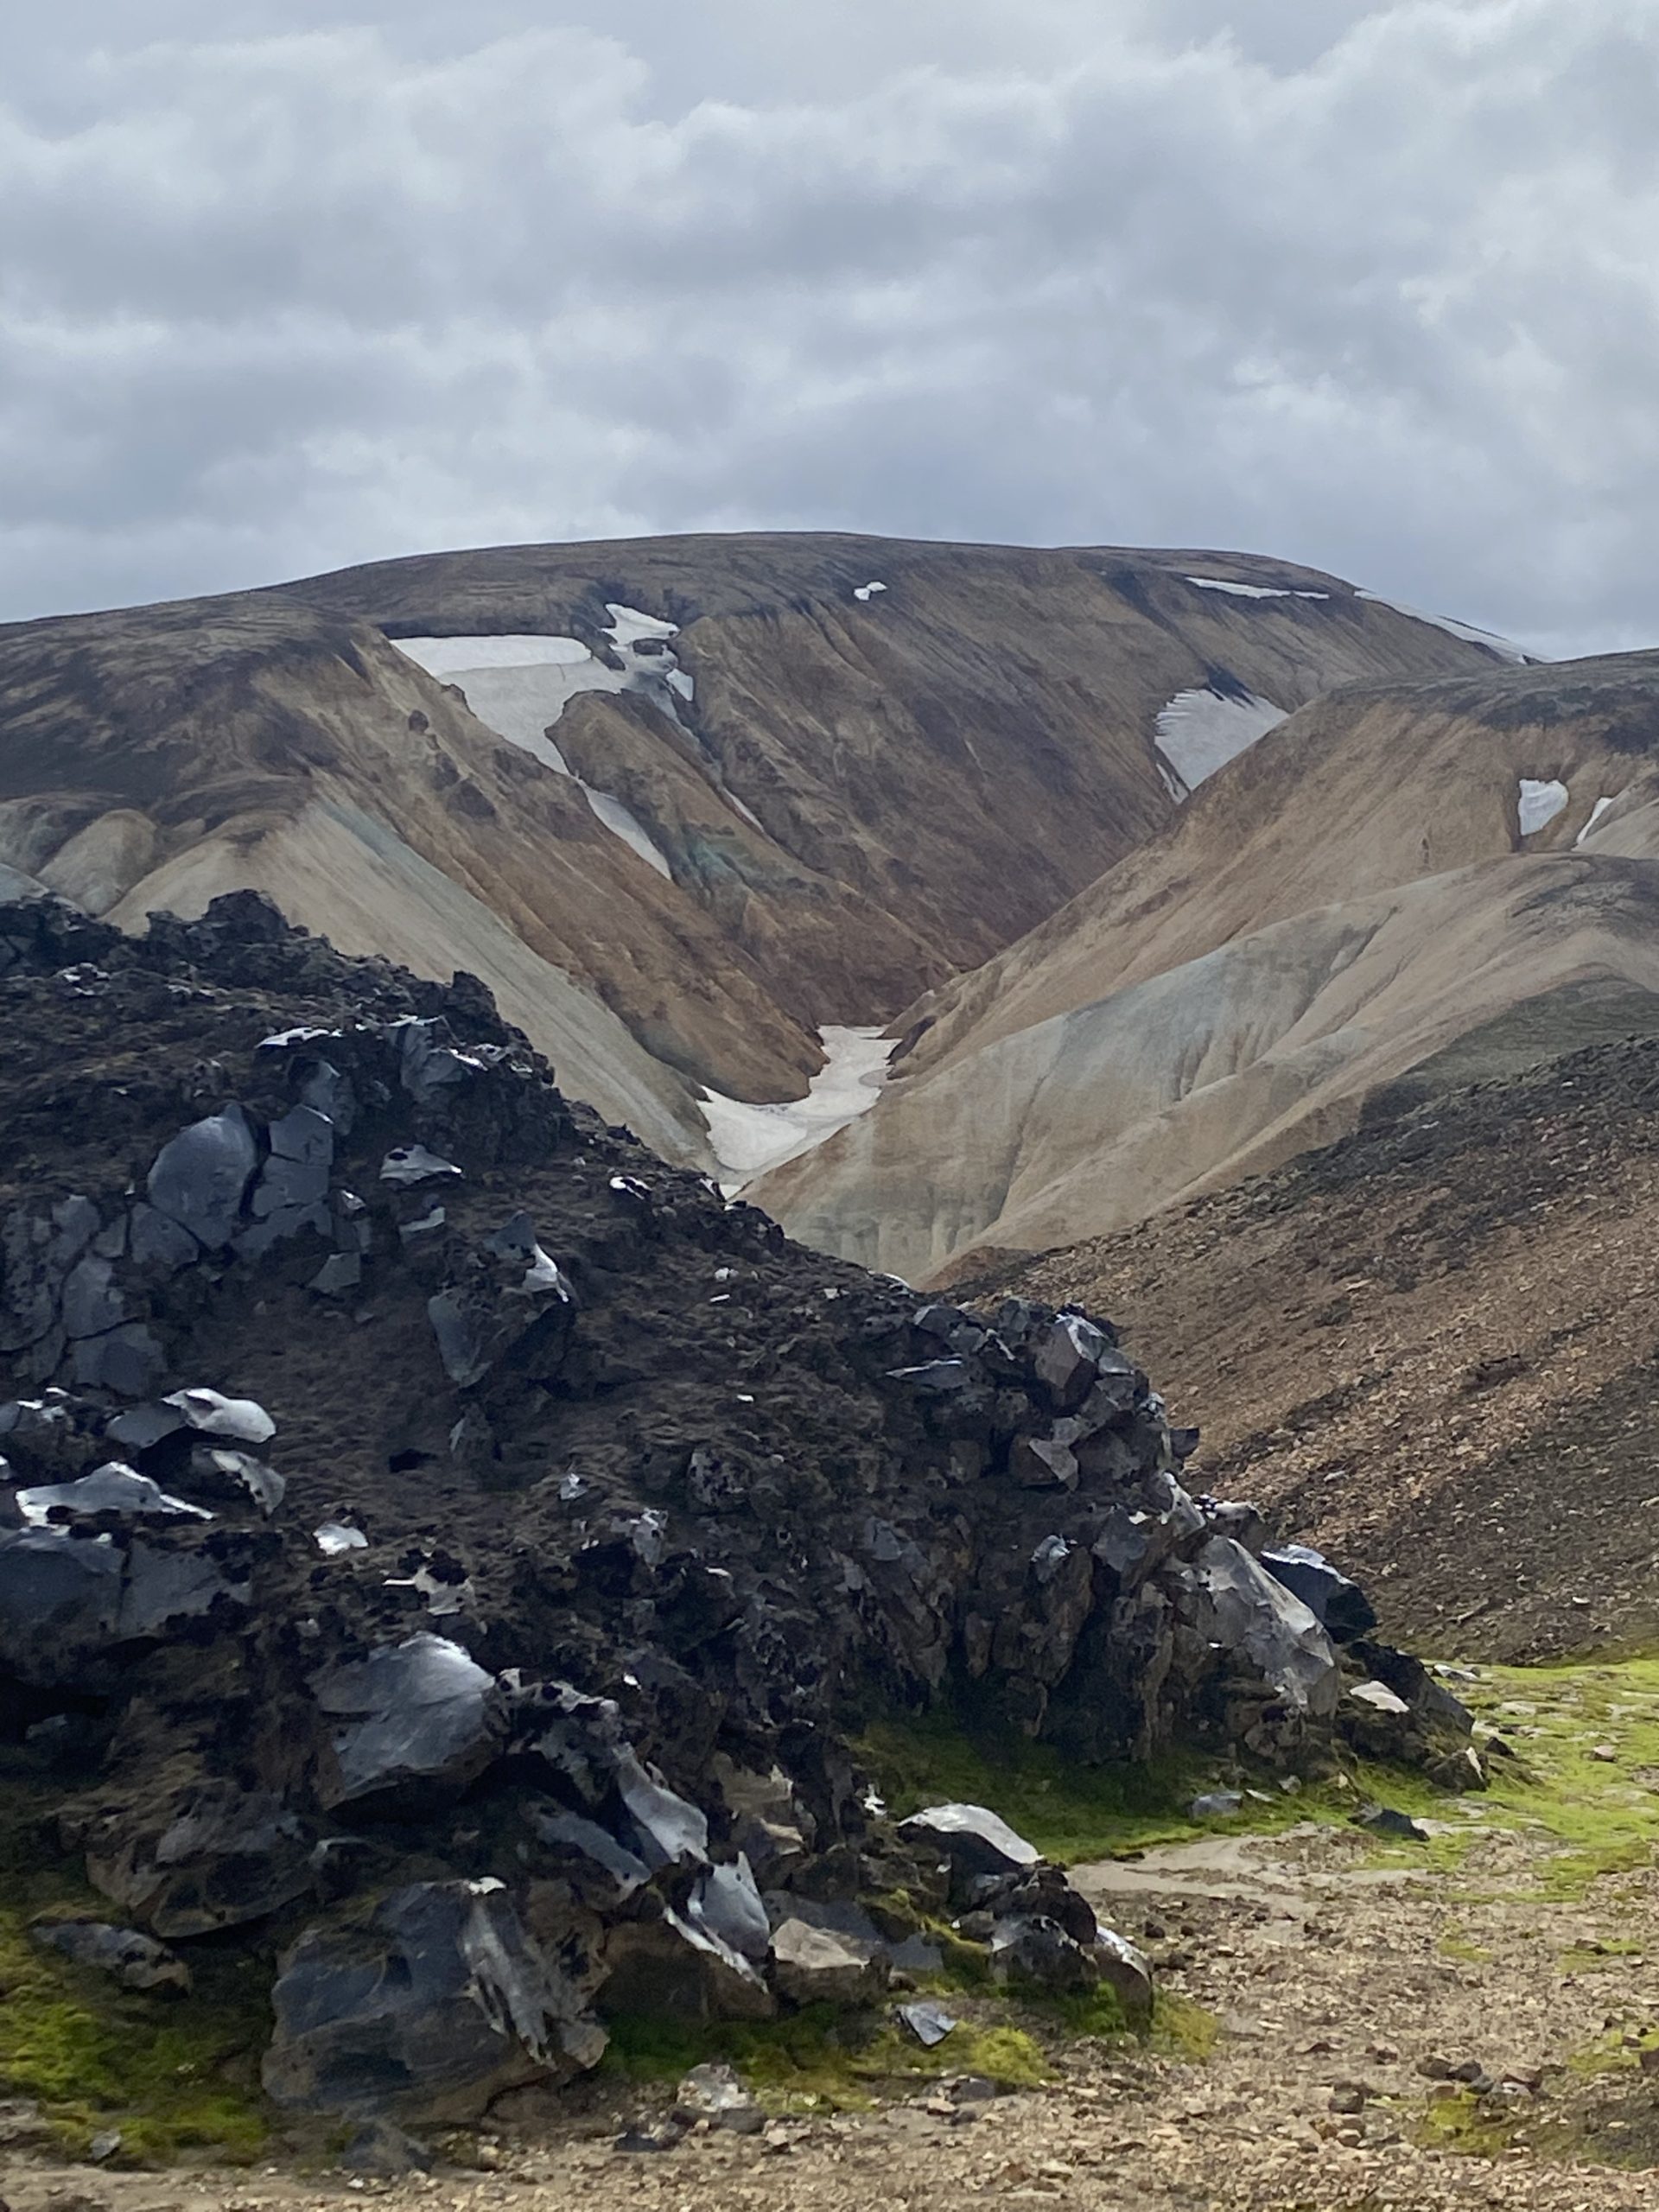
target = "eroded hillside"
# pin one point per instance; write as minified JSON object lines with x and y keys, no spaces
{"x":1393,"y":868}
{"x":736,"y":790}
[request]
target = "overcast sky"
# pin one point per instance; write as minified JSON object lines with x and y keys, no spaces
{"x":291,"y":283}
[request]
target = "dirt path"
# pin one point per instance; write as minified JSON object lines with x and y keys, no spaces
{"x":1335,"y":1981}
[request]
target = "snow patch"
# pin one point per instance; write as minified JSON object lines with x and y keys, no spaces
{"x":1251,"y":591}
{"x":1505,"y":648}
{"x":867,"y":592}
{"x":518,"y":686}
{"x":629,"y":828}
{"x":1540,"y":803}
{"x":627,"y":625}
{"x":747,"y":1140}
{"x":1596,"y":813}
{"x":1200,"y":731}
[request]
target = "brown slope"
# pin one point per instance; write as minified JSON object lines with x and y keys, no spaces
{"x":928,"y":773}
{"x":1435,"y":1344}
{"x":1336,"y":904}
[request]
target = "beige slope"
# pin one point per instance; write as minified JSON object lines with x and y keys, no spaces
{"x":1220,"y":1068}
{"x":1365,"y":790}
{"x":866,"y":794}
{"x":1308,"y":931}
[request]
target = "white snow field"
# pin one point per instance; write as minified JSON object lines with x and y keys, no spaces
{"x":1251,"y":591}
{"x":1596,"y":813}
{"x":1201,"y":731}
{"x":867,"y":592}
{"x":519,"y":685}
{"x":747,"y":1140}
{"x":1540,"y":803}
{"x":1505,"y":648}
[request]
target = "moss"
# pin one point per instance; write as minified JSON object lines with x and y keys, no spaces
{"x":1454,"y":1945}
{"x":1598,"y":1813}
{"x":1611,"y":2054}
{"x":1586,"y":1958}
{"x":171,"y":2075}
{"x":1074,"y":1812}
{"x":1095,"y":2013}
{"x":1181,"y":2028}
{"x":1465,"y":2125}
{"x":1069,"y":1811}
{"x":821,"y":2059}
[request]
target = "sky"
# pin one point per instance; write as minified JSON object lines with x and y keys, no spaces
{"x":1371,"y":285}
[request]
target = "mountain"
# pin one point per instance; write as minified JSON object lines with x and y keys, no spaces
{"x":1434,"y":1345}
{"x":682,"y":804}
{"x":1394,"y":874}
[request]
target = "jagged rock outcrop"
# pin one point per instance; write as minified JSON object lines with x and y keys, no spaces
{"x":438,"y":1529}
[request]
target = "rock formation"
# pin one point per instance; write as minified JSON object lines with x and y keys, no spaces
{"x":445,"y":1540}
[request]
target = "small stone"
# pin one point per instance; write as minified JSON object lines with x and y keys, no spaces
{"x":1384,"y":1819}
{"x":715,"y":2093}
{"x":641,"y":2140}
{"x":930,"y":2023}
{"x":1217,"y":1805}
{"x":972,"y":2090}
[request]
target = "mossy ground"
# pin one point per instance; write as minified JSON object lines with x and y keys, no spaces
{"x":178,"y":2078}
{"x":823,"y":2059}
{"x":1601,"y":1813}
{"x":174,"y":2076}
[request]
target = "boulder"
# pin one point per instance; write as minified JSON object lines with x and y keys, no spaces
{"x":137,"y":1961}
{"x":664,"y":1964}
{"x":418,"y":1710}
{"x":819,"y":1966}
{"x":1252,"y":1614}
{"x":1031,"y":1950}
{"x":971,"y":1840}
{"x":111,"y":1488}
{"x":714,"y":2093}
{"x":199,"y":1177}
{"x":427,"y":2010}
{"x":1126,"y":1970}
{"x":1336,"y":1602}
{"x":199,"y":1855}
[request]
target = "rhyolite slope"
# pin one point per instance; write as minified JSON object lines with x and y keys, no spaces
{"x":862,"y":794}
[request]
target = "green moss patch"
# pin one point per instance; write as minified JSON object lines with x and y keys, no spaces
{"x":820,"y":2059}
{"x":172,"y":2075}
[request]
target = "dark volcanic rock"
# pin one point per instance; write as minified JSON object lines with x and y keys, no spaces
{"x":474,"y":1587}
{"x":437,"y":2003}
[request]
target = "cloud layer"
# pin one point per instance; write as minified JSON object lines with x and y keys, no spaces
{"x":1371,"y":287}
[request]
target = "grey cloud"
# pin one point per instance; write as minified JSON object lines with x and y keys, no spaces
{"x":1371,"y":287}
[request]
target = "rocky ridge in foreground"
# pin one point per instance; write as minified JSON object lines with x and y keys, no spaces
{"x":448,"y":1550}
